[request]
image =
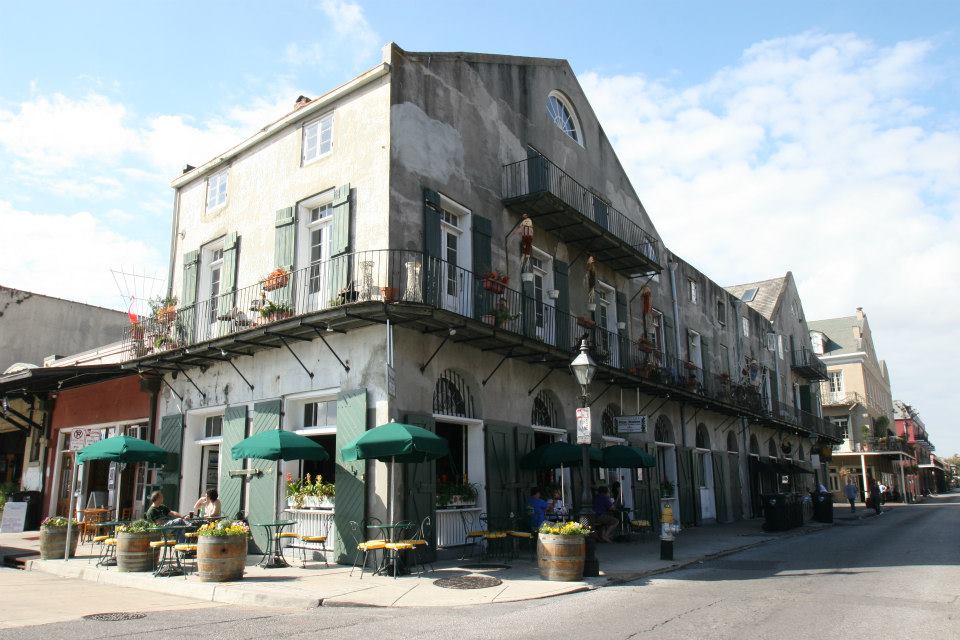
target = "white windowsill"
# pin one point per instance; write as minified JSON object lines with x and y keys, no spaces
{"x":208,"y":441}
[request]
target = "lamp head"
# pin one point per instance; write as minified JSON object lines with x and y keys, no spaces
{"x":583,"y":366}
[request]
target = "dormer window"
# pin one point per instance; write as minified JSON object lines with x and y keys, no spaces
{"x":561,"y":112}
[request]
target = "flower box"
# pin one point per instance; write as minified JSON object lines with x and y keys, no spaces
{"x":495,"y":281}
{"x":277,"y":279}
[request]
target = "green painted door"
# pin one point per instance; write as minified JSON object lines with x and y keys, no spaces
{"x":720,"y":476}
{"x":687,"y":487}
{"x":501,"y":472}
{"x":171,"y":441}
{"x":420,"y":489}
{"x":262,"y":489}
{"x":736,"y":499}
{"x":349,"y":476}
{"x":231,"y":488}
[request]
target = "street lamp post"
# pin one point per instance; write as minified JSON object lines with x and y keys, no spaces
{"x":584,"y":368}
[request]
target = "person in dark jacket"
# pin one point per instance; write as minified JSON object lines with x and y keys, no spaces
{"x":875,"y":495}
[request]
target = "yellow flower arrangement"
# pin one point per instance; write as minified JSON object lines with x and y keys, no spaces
{"x":224,"y":529}
{"x":565,"y":529}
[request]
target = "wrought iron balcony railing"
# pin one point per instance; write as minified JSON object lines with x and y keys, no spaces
{"x":561,"y":205}
{"x":391,"y":277}
{"x":806,"y":363}
{"x":840,"y":398}
{"x":805,"y":420}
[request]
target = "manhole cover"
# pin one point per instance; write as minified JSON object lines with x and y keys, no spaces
{"x":482,"y":567}
{"x":114,"y":617}
{"x":468,"y":582}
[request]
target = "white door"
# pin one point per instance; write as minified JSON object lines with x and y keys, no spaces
{"x":708,"y":509}
{"x":542,"y":283}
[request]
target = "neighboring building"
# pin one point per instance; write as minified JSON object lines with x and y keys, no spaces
{"x":394,"y":204}
{"x":795,"y":376}
{"x":34,"y":330}
{"x":857,"y":399}
{"x":934,"y":474}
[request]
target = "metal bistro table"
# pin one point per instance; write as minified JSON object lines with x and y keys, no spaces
{"x":389,"y":531}
{"x":169,"y":564}
{"x":273,"y":556}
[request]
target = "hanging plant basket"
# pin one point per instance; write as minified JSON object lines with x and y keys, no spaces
{"x":277,"y":279}
{"x":167,"y":315}
{"x":526,"y":277}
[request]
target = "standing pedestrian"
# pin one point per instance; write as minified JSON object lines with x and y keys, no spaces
{"x":875,"y":495}
{"x":852,"y":492}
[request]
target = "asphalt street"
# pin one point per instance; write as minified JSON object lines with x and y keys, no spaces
{"x":892,"y":576}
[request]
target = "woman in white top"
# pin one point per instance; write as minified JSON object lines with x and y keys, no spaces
{"x":208,"y":506}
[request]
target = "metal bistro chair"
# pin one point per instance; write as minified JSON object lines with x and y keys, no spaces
{"x":312,"y":543}
{"x":523,"y":533}
{"x":496,"y":537}
{"x":358,"y":530}
{"x":418,"y":540}
{"x":473,"y":535}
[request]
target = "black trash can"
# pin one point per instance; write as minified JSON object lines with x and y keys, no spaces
{"x":32,"y":498}
{"x":775,"y":512}
{"x":823,"y":507}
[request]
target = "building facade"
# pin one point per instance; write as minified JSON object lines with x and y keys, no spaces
{"x":431,"y":242}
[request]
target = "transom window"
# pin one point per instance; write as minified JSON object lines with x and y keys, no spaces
{"x":217,"y":190}
{"x":213,"y":426}
{"x":561,"y":114}
{"x":322,"y":413}
{"x":317,"y":138}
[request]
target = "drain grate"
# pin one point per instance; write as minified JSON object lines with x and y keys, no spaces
{"x":118,"y":616}
{"x":484,"y":567}
{"x":468,"y":582}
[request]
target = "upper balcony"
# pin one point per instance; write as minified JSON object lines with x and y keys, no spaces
{"x":426,"y":294}
{"x":559,"y":204}
{"x":841,"y":398}
{"x":805,"y":421}
{"x":806,"y":363}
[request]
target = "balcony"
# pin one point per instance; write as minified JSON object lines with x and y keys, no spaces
{"x":562,"y":206}
{"x":876,"y":445}
{"x":804,"y":421}
{"x":425,"y":294}
{"x":806,"y":363}
{"x":841,"y":398}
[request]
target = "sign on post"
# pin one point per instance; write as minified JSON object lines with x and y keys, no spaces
{"x":391,"y":381}
{"x":14,"y":517}
{"x":80,"y":438}
{"x":584,"y":431}
{"x":631,"y":424}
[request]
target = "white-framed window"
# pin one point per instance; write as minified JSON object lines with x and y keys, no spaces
{"x":780,"y":346}
{"x":216,"y":276}
{"x":693,"y":291}
{"x":319,"y":413}
{"x":562,"y":114}
{"x":540,"y":263}
{"x":213,"y":426}
{"x":656,"y":334}
{"x":217,"y":190}
{"x":455,"y":252}
{"x":694,"y":351}
{"x":745,"y":323}
{"x":842,"y":423}
{"x":317,"y":138}
{"x":314,"y":236}
{"x":836,"y":381}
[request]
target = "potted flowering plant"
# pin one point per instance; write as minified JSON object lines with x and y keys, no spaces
{"x":276,"y":279}
{"x":134,"y":552}
{"x":164,"y":309}
{"x":53,"y":537}
{"x":495,"y":281}
{"x":666,"y":489}
{"x":272,"y":311}
{"x":456,"y":494}
{"x":222,"y":550}
{"x":561,"y":548}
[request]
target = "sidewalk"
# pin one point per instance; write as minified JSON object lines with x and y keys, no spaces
{"x":315,"y":585}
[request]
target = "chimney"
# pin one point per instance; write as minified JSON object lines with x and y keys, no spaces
{"x":860,"y":313}
{"x":187,"y":168}
{"x":301,"y":102}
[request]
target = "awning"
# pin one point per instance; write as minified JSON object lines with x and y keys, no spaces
{"x":43,"y":379}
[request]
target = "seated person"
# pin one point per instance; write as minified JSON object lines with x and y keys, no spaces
{"x":557,"y":508}
{"x":615,"y":495}
{"x":208,"y":506}
{"x":159,"y":512}
{"x":604,"y":521}
{"x":538,"y":509}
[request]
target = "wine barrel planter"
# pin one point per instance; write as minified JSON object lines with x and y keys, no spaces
{"x":134,"y":553}
{"x":221,"y":559}
{"x":53,"y":540}
{"x":560,"y":558}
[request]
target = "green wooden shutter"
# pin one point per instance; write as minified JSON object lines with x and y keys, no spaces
{"x":188,"y":300}
{"x":719,"y":486}
{"x":228,"y":278}
{"x":420,"y":490}
{"x":651,"y":508}
{"x":171,"y":441}
{"x":687,"y":490}
{"x":623,"y":315}
{"x":526,"y":479}
{"x":561,"y":281}
{"x":339,"y":270}
{"x":501,"y":467}
{"x":529,"y":309}
{"x":482,"y":264}
{"x":263,"y":489}
{"x":536,"y":173}
{"x":231,"y":489}
{"x":349,"y":476}
{"x":284,"y":251}
{"x":600,"y":212}
{"x":433,"y":261}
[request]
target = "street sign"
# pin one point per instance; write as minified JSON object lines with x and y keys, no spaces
{"x":391,"y":381}
{"x":80,"y":438}
{"x":631,"y":424}
{"x":584,"y":433}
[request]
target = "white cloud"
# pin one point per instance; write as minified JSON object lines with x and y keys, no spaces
{"x":69,"y":256}
{"x":348,"y":39}
{"x":812,"y":154}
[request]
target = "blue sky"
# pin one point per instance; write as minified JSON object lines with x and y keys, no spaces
{"x":820,"y":137}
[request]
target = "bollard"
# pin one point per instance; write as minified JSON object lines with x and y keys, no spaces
{"x":667,"y":531}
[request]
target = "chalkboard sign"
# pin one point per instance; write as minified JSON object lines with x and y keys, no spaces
{"x":14,"y":516}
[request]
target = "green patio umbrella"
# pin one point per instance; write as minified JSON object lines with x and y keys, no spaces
{"x":115,"y":449}
{"x":277,"y":444}
{"x":396,"y":442}
{"x":560,"y":455}
{"x":624,"y":457}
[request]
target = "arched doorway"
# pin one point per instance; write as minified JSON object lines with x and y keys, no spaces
{"x":706,"y":478}
{"x":666,"y":472}
{"x":546,"y":419}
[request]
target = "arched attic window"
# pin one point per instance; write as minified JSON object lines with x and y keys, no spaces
{"x":703,"y":437}
{"x":732,"y":442}
{"x":663,"y":430}
{"x":544,"y":413}
{"x":772,"y":449}
{"x":452,"y":396}
{"x":562,"y":114}
{"x":754,"y":446}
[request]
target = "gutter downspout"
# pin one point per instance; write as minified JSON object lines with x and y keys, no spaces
{"x":672,"y":267}
{"x":173,"y":240}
